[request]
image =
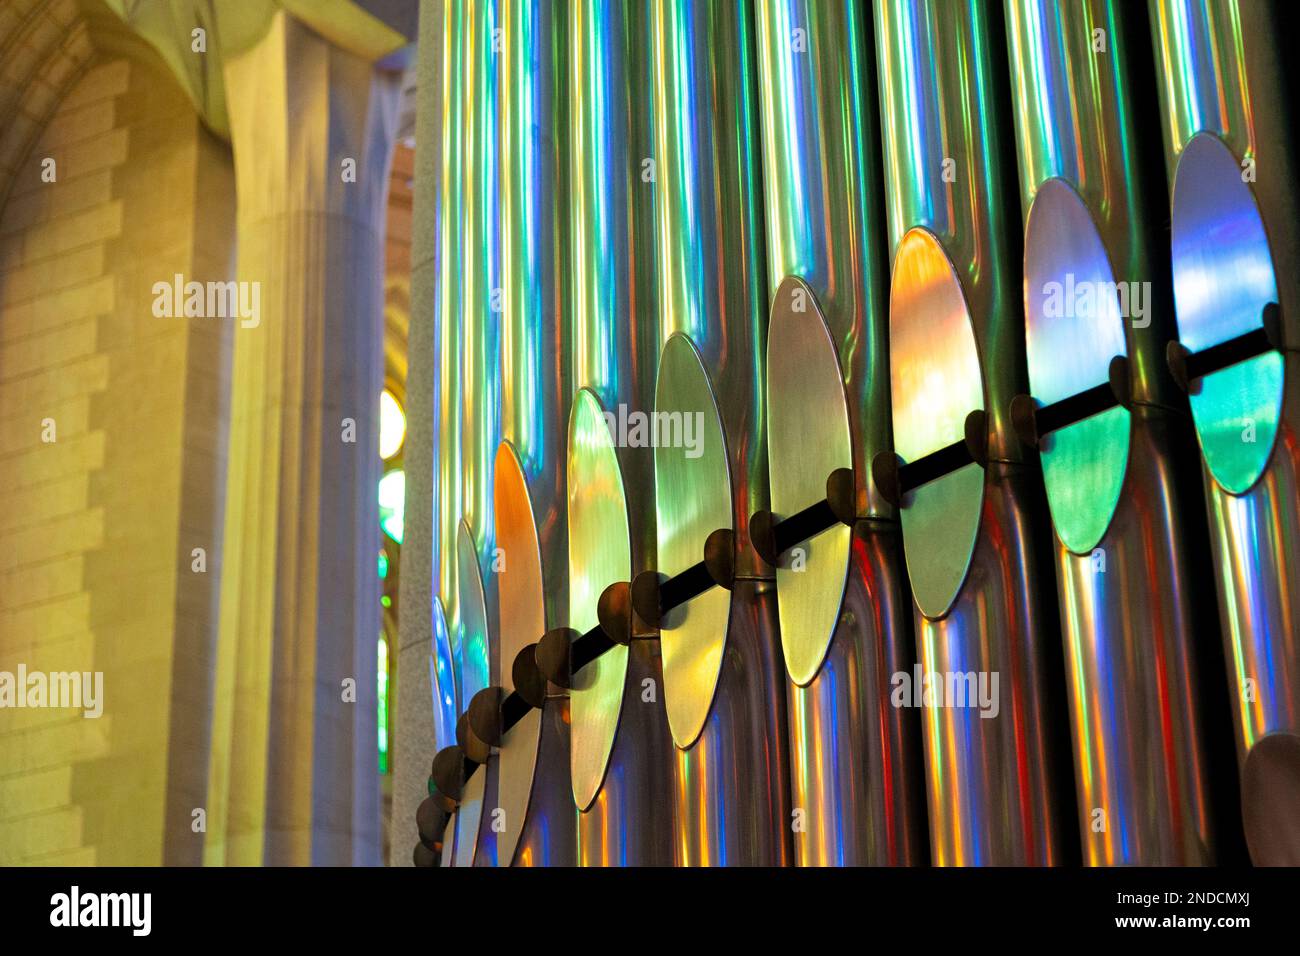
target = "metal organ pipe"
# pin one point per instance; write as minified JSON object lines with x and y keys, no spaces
{"x":1130,"y":578}
{"x":473,"y":648}
{"x":539,"y":821}
{"x":622,"y":781}
{"x":804,"y":426}
{"x":969,"y":503}
{"x":447,"y":461}
{"x":481,"y":358}
{"x":446,"y":464}
{"x":842,"y":596}
{"x":723,"y":680}
{"x":1229,"y":137}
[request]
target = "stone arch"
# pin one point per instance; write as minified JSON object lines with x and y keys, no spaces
{"x":102,"y":523}
{"x":44,"y":51}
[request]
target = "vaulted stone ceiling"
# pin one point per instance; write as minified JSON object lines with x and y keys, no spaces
{"x":46,"y":45}
{"x":44,"y":49}
{"x":374,"y":29}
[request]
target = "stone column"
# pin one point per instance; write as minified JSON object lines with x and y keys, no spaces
{"x":294,"y":776}
{"x":414,"y":730}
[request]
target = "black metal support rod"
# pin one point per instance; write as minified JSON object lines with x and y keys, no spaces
{"x":689,"y":584}
{"x":513,"y":709}
{"x":811,"y":521}
{"x":673,"y":593}
{"x":589,"y":647}
{"x":1100,"y":398}
{"x":685,"y":587}
{"x":1218,"y":357}
{"x":1075,"y":408}
{"x":927,"y":468}
{"x":803,"y":525}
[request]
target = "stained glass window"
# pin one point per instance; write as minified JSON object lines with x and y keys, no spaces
{"x":383,"y":703}
{"x":392,"y":425}
{"x":392,"y":495}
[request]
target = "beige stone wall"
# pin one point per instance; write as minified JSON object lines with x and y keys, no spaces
{"x":97,"y":527}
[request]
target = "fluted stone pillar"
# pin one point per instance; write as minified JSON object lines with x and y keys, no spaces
{"x":414,"y":742}
{"x":294,"y":776}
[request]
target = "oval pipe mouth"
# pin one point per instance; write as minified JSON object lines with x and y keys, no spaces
{"x":937,"y":397}
{"x":808,"y":438}
{"x":521,"y":621}
{"x":693,"y":499}
{"x":1075,"y":348}
{"x":474,"y":647}
{"x":1270,"y":800}
{"x":1224,"y":283}
{"x":600,"y":555}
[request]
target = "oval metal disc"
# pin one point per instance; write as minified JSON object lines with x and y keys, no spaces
{"x":807,"y":438}
{"x":692,"y":500}
{"x":600,"y":554}
{"x":1270,"y":791}
{"x":1073,"y":328}
{"x":475,"y":674}
{"x":442,"y":680}
{"x":522,"y":622}
{"x":935,"y":382}
{"x":1223,"y":278}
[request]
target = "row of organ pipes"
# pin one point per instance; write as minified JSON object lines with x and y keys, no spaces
{"x":1027,"y":271}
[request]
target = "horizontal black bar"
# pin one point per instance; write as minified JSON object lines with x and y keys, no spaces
{"x":588,"y":647}
{"x":687,"y":585}
{"x":673,"y":593}
{"x":1069,"y":411}
{"x":1218,"y":357}
{"x":816,"y":518}
{"x":683,"y":587}
{"x":927,"y":468}
{"x":513,"y":709}
{"x":803,"y":525}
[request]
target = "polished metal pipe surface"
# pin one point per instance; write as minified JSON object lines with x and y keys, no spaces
{"x":1229,"y":135}
{"x":1131,"y":572}
{"x":731,"y":761}
{"x":536,"y":393}
{"x":975,"y":540}
{"x":855,"y":785}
